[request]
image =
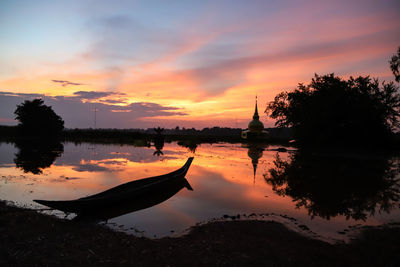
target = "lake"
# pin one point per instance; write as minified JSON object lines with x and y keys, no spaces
{"x":322,"y":195}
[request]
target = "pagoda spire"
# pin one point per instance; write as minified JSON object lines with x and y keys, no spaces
{"x":255,"y":116}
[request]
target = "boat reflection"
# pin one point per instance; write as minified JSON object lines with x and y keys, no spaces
{"x":35,"y":155}
{"x":332,"y":184}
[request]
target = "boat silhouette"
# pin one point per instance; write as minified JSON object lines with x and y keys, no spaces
{"x":125,"y":198}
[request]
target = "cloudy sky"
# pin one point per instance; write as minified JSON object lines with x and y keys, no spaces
{"x":188,"y":63}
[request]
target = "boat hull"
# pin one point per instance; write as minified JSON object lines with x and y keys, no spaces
{"x":138,"y":194}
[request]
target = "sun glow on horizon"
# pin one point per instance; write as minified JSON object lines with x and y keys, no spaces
{"x":200,"y":67}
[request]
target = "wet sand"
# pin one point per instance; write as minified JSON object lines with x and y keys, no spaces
{"x":32,"y":239}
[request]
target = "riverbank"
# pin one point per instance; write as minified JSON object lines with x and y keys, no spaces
{"x":32,"y":239}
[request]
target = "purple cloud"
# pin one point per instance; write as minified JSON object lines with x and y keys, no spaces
{"x":78,"y":114}
{"x":66,"y":83}
{"x":92,"y":94}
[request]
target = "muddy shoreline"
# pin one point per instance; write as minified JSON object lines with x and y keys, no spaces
{"x":30,"y":238}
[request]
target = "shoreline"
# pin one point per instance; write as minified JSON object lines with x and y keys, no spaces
{"x":341,"y":236}
{"x":31,"y":238}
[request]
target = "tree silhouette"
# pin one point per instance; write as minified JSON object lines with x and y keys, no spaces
{"x":334,"y":111}
{"x":37,"y":119}
{"x":34,"y":156}
{"x":395,"y":64}
{"x":328,"y":184}
{"x":189,"y":144}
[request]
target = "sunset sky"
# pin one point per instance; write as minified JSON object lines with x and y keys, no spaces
{"x":188,"y":63}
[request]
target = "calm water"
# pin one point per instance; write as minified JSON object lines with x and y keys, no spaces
{"x":324,"y":196}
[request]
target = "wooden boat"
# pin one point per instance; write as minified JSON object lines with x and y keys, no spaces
{"x":130,"y":196}
{"x":135,"y":203}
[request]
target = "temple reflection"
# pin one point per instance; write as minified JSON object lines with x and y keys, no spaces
{"x":255,"y":152}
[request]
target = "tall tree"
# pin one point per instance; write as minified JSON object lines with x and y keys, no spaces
{"x":37,"y":119}
{"x":331,"y":110}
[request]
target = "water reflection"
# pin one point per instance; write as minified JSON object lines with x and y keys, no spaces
{"x":34,"y":156}
{"x":328,"y":185}
{"x":159,"y":141}
{"x":191,"y":145}
{"x":255,"y":152}
{"x":223,"y":178}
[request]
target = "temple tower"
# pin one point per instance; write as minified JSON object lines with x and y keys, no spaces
{"x":255,"y":128}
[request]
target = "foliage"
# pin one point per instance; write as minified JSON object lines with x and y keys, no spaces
{"x":37,"y":119}
{"x":328,"y":185}
{"x":331,"y":110}
{"x":395,"y":64}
